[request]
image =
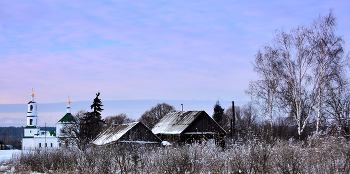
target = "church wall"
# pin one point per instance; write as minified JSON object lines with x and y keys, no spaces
{"x":59,"y":126}
{"x":40,"y":142}
{"x":30,"y":132}
{"x":27,"y":143}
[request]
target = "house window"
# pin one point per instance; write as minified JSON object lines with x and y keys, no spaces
{"x":31,"y":122}
{"x":39,"y":144}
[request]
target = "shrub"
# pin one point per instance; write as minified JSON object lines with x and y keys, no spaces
{"x":325,"y":155}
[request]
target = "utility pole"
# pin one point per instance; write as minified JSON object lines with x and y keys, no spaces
{"x":233,"y":121}
{"x":45,"y":136}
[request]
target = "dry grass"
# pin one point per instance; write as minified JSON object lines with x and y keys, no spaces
{"x":327,"y":155}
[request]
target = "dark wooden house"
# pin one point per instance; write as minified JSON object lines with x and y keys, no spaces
{"x":187,"y":127}
{"x":136,"y":133}
{"x":2,"y":145}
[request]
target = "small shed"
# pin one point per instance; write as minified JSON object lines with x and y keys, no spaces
{"x":135,"y":132}
{"x":187,"y":127}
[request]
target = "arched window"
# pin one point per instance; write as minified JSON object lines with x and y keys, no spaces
{"x":31,"y":107}
{"x":39,"y":144}
{"x":31,"y":122}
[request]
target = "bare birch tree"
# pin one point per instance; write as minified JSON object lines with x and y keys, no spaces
{"x":297,"y":92}
{"x":327,"y":52}
{"x":296,"y":70}
{"x":264,"y":90}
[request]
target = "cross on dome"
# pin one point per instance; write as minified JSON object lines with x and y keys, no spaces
{"x":68,"y":100}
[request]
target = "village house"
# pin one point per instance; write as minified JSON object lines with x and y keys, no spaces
{"x":188,"y":127}
{"x":135,"y":132}
{"x":2,"y":145}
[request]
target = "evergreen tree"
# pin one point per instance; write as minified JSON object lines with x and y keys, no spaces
{"x":96,"y":105}
{"x":218,"y":112}
{"x":96,"y":120}
{"x":92,"y":124}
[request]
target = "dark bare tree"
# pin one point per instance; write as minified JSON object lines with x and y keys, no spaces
{"x":338,"y":105}
{"x":152,"y":116}
{"x":118,"y":119}
{"x":246,"y":124}
{"x":227,"y":117}
{"x":73,"y":134}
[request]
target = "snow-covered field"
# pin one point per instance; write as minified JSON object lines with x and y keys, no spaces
{"x":7,"y":154}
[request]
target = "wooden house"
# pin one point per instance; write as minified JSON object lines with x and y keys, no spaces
{"x":135,"y":133}
{"x":2,"y":145}
{"x":187,"y":127}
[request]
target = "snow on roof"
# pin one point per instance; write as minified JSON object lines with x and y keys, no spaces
{"x":175,"y":122}
{"x":113,"y":133}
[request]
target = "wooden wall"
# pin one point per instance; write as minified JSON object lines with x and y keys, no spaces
{"x":139,"y":133}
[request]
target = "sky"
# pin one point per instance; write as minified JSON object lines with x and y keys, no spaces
{"x":141,"y":50}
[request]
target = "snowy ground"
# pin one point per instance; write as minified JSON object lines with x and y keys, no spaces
{"x":7,"y":154}
{"x":4,"y":156}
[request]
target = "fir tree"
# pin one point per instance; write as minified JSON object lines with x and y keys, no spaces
{"x":96,"y":105}
{"x":92,"y":124}
{"x":95,"y":116}
{"x":218,"y":112}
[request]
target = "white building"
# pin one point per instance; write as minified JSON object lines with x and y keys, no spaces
{"x":34,"y":137}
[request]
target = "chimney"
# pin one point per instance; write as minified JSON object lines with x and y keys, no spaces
{"x":182,"y":107}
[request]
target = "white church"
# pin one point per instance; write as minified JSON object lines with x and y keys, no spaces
{"x":34,"y":137}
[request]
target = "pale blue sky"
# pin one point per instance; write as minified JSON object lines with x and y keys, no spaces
{"x":179,"y":50}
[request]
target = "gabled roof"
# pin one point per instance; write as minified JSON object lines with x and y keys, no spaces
{"x":175,"y":122}
{"x":68,"y":118}
{"x":115,"y":132}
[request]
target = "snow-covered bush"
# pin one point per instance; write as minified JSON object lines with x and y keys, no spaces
{"x":324,"y":155}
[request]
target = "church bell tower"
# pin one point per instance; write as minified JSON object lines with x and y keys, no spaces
{"x":32,"y":119}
